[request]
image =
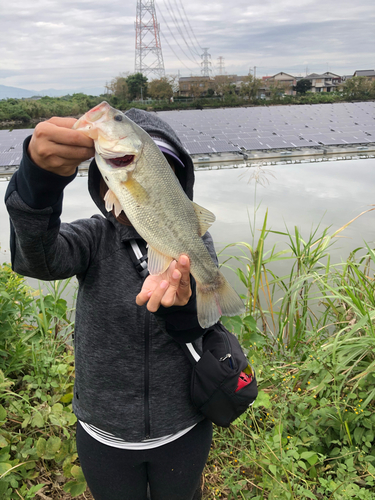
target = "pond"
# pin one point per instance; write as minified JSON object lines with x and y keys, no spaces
{"x":303,"y":195}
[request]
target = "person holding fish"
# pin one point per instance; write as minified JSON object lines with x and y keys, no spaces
{"x":137,"y":427}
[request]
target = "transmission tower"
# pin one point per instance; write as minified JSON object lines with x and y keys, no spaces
{"x":148,"y":54}
{"x":206,"y":63}
{"x":221,"y":65}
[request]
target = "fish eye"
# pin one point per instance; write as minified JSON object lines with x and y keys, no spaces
{"x":118,"y":118}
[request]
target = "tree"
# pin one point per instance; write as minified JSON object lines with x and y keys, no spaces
{"x":276,"y":89}
{"x":359,"y":87}
{"x":250,"y":86}
{"x":137,"y":86}
{"x":119,"y":87}
{"x":160,"y":88}
{"x":198,"y":86}
{"x":302,"y":86}
{"x":224,"y":85}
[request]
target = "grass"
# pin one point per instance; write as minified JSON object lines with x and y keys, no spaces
{"x":310,"y":336}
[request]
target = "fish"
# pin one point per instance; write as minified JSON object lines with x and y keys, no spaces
{"x":142,"y":183}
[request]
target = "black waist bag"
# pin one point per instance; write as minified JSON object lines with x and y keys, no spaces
{"x":223,"y":383}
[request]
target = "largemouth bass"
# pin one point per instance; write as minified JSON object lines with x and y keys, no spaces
{"x":142,"y":183}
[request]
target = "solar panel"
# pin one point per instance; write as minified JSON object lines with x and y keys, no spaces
{"x":252,"y":128}
{"x":354,"y":140}
{"x":252,"y":144}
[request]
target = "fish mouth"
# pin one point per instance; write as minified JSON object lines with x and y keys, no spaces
{"x":121,"y":161}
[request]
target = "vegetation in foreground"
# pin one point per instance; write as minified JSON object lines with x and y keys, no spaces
{"x":125,"y":92}
{"x":309,"y":334}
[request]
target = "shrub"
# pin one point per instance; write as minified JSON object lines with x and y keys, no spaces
{"x":37,"y":425}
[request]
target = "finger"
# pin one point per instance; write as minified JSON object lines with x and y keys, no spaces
{"x":62,"y":122}
{"x":157,"y":295}
{"x":183,"y":265}
{"x":54,"y":147}
{"x":63,"y":151}
{"x":184,"y":291}
{"x":53,"y":130}
{"x":170,"y":295}
{"x":143,"y":297}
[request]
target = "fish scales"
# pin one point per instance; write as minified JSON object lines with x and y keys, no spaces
{"x":169,"y":235}
{"x":142,"y":183}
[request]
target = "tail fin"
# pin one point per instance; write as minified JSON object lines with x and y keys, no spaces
{"x":215,"y":301}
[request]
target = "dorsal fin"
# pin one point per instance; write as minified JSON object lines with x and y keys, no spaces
{"x":205,"y":217}
{"x":111,"y":201}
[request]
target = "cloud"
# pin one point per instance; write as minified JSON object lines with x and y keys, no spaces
{"x":49,"y":43}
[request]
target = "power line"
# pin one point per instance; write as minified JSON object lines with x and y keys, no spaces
{"x":171,"y":32}
{"x":182,"y":62}
{"x":191,"y":29}
{"x":197,"y":51}
{"x":176,"y":22}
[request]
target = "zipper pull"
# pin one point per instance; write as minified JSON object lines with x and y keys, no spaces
{"x":225,"y":357}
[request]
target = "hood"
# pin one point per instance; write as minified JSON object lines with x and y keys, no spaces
{"x":156,"y":127}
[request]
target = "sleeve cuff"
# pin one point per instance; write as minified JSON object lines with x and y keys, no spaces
{"x":181,"y":322}
{"x":37,"y":187}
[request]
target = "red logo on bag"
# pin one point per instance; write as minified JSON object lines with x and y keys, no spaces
{"x":243,"y":381}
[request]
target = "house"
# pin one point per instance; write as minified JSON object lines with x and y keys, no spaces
{"x":194,"y":86}
{"x":283,"y":81}
{"x":326,"y":82}
{"x":368,"y":73}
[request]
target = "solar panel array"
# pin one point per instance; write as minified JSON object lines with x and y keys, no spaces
{"x":231,"y":130}
{"x":274,"y":127}
{"x":11,"y":146}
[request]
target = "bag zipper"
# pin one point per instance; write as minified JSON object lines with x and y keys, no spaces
{"x":147,"y":376}
{"x":228,"y":356}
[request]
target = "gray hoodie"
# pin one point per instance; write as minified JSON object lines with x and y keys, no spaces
{"x":132,"y":377}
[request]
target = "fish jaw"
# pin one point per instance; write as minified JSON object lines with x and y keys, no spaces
{"x":89,"y":122}
{"x":112,"y":174}
{"x":114,"y":134}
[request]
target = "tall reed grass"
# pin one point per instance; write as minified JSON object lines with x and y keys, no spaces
{"x":310,"y":335}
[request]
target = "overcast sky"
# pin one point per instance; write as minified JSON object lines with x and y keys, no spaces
{"x":85,"y":43}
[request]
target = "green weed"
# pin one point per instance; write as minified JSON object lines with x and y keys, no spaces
{"x":37,"y":425}
{"x":310,"y":336}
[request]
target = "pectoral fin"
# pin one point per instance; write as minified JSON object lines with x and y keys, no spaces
{"x":205,"y":217}
{"x":111,"y":201}
{"x":157,"y":262}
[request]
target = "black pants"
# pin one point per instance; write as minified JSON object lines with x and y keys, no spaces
{"x":172,"y":471}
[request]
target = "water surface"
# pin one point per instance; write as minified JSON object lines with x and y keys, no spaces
{"x":302,"y":195}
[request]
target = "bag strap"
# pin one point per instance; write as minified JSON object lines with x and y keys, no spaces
{"x":138,"y":255}
{"x":192,"y":352}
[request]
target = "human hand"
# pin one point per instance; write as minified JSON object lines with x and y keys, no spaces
{"x":54,"y":146}
{"x":171,"y":288}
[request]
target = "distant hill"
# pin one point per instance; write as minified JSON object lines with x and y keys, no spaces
{"x":18,"y":93}
{"x":14,"y":92}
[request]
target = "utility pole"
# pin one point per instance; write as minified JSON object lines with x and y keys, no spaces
{"x":254,"y":71}
{"x":221,"y":65}
{"x":206,"y":63}
{"x":148,"y":54}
